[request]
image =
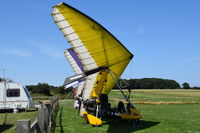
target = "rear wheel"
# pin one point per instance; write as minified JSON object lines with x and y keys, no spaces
{"x":120,"y":107}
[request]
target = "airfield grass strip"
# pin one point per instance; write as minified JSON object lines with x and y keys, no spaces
{"x":156,"y":119}
{"x":170,"y":102}
{"x":156,"y":102}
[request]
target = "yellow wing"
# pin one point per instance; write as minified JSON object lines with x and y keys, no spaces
{"x":95,"y":47}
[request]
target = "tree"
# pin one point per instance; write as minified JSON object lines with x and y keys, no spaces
{"x":60,"y":90}
{"x":45,"y":89}
{"x":1,"y":79}
{"x":186,"y":85}
{"x":40,"y":88}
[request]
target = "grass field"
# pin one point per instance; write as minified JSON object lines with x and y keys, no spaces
{"x":164,"y":111}
{"x":12,"y":119}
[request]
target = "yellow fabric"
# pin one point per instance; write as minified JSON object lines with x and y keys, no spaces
{"x":100,"y":81}
{"x":135,"y":115}
{"x":106,"y":50}
{"x":92,"y":119}
{"x":85,"y":116}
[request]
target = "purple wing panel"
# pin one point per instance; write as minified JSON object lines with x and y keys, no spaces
{"x":74,"y":61}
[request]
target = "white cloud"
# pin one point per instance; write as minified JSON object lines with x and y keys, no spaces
{"x":141,"y":30}
{"x":17,"y":52}
{"x":49,"y":50}
{"x":191,"y":59}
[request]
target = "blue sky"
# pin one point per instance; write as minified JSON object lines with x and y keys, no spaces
{"x":164,"y":36}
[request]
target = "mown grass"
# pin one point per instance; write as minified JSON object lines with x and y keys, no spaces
{"x":160,"y":95}
{"x":171,"y":118}
{"x":11,"y":120}
{"x":163,"y":118}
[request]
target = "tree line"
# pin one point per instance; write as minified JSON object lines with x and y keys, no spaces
{"x":144,"y":83}
{"x":151,"y":83}
{"x":45,"y":89}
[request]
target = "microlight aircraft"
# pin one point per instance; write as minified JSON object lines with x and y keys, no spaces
{"x":98,"y":60}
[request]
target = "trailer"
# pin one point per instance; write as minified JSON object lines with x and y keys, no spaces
{"x":14,"y":96}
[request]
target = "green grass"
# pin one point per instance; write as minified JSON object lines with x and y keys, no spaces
{"x":163,"y":118}
{"x":12,"y":119}
{"x":161,"y":95}
{"x":171,"y":118}
{"x":68,"y":122}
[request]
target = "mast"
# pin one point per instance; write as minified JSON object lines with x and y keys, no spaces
{"x":4,"y":91}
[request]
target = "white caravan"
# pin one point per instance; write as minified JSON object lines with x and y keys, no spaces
{"x":14,"y":96}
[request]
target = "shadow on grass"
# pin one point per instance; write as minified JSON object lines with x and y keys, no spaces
{"x":127,"y":127}
{"x":5,"y":127}
{"x":60,"y":121}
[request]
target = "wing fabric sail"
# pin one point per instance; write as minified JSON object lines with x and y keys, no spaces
{"x":74,"y":61}
{"x":94,"y":46}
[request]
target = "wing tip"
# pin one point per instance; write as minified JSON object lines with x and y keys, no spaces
{"x":131,"y":56}
{"x":61,"y":3}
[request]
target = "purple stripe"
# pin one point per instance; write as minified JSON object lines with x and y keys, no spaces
{"x":77,"y":60}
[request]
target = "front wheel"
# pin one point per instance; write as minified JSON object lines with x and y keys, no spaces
{"x":135,"y":122}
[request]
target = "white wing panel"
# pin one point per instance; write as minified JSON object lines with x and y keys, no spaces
{"x":89,"y":83}
{"x":74,"y":40}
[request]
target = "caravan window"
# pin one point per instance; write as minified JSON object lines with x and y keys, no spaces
{"x":13,"y":92}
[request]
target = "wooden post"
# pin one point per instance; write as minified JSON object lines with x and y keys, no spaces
{"x":49,"y":107}
{"x":23,"y":126}
{"x":34,"y":127}
{"x":43,"y":119}
{"x":53,"y":99}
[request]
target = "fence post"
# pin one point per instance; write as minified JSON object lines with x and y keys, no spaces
{"x":23,"y":126}
{"x":43,"y":119}
{"x":52,"y":119}
{"x":49,"y":107}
